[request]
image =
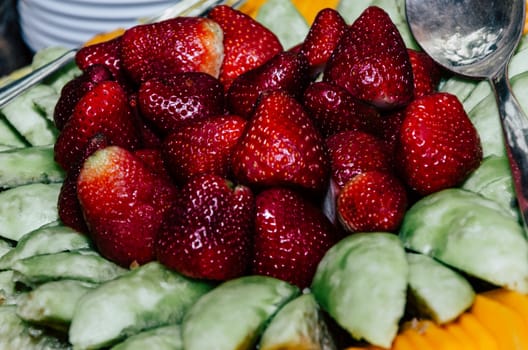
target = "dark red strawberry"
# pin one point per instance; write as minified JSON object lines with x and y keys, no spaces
{"x":154,"y":160}
{"x":281,"y":146}
{"x":207,"y":233}
{"x":333,"y":109}
{"x":167,"y":103}
{"x":372,"y":201}
{"x":124,"y":203}
{"x":291,"y":236}
{"x":73,"y":90}
{"x":150,"y":138}
{"x":106,"y":53}
{"x":203,"y":146}
{"x":247,"y":43}
{"x":286,"y":71}
{"x":390,"y":128}
{"x":371,"y":61}
{"x":438,"y":144}
{"x":181,"y":44}
{"x":322,"y":38}
{"x":354,"y":152}
{"x":103,"y":110}
{"x":426,"y":73}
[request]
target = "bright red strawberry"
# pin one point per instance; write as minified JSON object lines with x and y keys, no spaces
{"x":426,"y":73}
{"x":281,"y":146}
{"x":181,"y":44}
{"x":124,"y":203}
{"x":286,"y":71}
{"x":291,"y":236}
{"x":167,"y":103}
{"x":73,"y":90}
{"x":103,"y":110}
{"x":438,"y":144}
{"x":372,"y":201}
{"x":322,"y":38}
{"x":203,"y":146}
{"x":247,"y":43}
{"x":371,"y":61}
{"x":106,"y":53}
{"x":354,"y":152}
{"x":333,"y":109}
{"x":207,"y":233}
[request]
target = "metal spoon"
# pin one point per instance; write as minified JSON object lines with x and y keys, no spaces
{"x":476,"y":38}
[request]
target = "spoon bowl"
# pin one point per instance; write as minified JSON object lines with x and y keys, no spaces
{"x":476,"y":38}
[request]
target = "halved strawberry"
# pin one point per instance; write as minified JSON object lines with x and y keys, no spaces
{"x":168,"y":103}
{"x":247,"y":43}
{"x":286,"y":71}
{"x":372,"y":62}
{"x":181,"y":44}
{"x":426,"y":73}
{"x":372,"y":201}
{"x":291,"y":236}
{"x":281,"y":146}
{"x":103,"y":110}
{"x":438,"y":145}
{"x":124,"y":203}
{"x":203,"y":146}
{"x":207,"y":232}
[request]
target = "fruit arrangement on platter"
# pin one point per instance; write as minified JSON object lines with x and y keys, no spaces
{"x":279,"y":176}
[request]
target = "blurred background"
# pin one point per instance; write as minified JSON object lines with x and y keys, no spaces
{"x":14,"y":53}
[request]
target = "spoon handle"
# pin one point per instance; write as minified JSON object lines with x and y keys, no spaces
{"x":515,"y":128}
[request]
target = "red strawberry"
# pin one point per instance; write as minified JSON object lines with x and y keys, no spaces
{"x":322,"y":38}
{"x":181,"y":44}
{"x":333,"y":109}
{"x":390,"y":128}
{"x":103,"y":110}
{"x":281,"y":146}
{"x":291,"y":236}
{"x":124,"y":203}
{"x":154,"y":160}
{"x":203,"y":146}
{"x":438,"y":144}
{"x":354,"y":152}
{"x":371,"y":61}
{"x":426,"y":73}
{"x":372,"y":201}
{"x":207,"y":233}
{"x":73,"y":90}
{"x":167,"y":103}
{"x":106,"y":53}
{"x":286,"y":71}
{"x":247,"y":43}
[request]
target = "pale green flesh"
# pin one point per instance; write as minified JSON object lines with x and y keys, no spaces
{"x":8,"y":137}
{"x":361,"y":282}
{"x":235,"y":313}
{"x":162,"y":338}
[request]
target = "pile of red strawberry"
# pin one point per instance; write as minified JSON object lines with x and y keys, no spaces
{"x":202,"y":143}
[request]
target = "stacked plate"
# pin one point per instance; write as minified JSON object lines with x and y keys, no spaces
{"x":69,"y":23}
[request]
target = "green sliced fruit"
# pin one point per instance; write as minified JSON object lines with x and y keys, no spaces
{"x":61,"y":77}
{"x":79,"y":265}
{"x":45,"y":240}
{"x":52,"y":304}
{"x":26,"y":208}
{"x":361,"y":282}
{"x":5,"y":247}
{"x":235,"y":313}
{"x":459,"y":86}
{"x":470,"y":233}
{"x":162,"y":338}
{"x":22,"y":166}
{"x":8,"y":293}
{"x":149,"y":296}
{"x":298,"y":325}
{"x":437,"y":291}
{"x":9,"y":138}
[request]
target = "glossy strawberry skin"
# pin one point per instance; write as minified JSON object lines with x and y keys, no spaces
{"x":426,"y":73}
{"x":169,"y":103}
{"x":372,"y":62}
{"x":103,"y":110}
{"x":124,"y":203}
{"x":247,"y":43}
{"x":281,"y":146}
{"x":203,"y":146}
{"x":372,"y":201}
{"x":287,"y":71}
{"x":107,"y":53}
{"x":438,"y":145}
{"x":207,"y":232}
{"x":163,"y":49}
{"x":291,"y":236}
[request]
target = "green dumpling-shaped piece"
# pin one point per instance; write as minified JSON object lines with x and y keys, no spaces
{"x":161,"y":338}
